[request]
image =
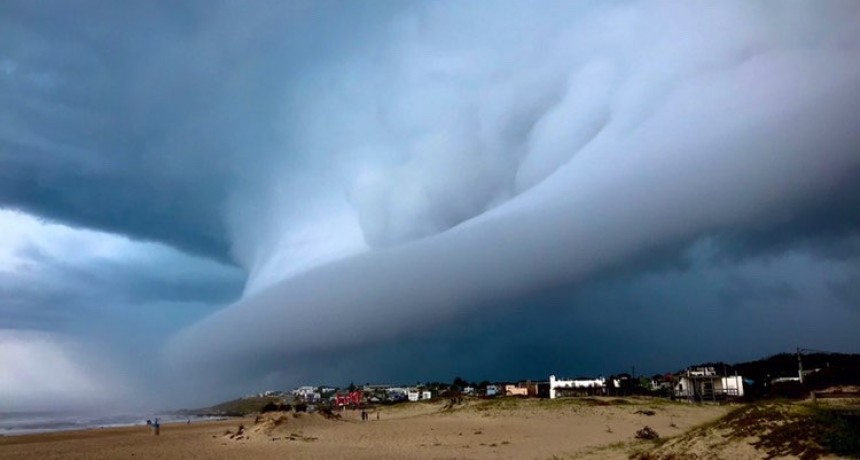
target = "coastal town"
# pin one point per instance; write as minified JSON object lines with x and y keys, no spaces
{"x":693,"y":384}
{"x":795,"y":405}
{"x":782,"y":374}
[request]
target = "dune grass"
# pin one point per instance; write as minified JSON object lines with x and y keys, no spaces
{"x":776,"y":428}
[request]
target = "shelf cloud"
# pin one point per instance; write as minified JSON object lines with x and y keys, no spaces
{"x":329,"y":176}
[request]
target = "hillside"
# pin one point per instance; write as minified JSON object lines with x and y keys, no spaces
{"x":235,"y":408}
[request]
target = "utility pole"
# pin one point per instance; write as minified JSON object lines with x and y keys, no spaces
{"x":800,"y":365}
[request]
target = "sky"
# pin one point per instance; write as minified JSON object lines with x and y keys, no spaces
{"x":205,"y":199}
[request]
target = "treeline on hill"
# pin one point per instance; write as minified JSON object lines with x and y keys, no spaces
{"x":821,"y":370}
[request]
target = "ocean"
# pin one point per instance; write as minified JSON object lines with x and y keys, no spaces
{"x":17,"y":423}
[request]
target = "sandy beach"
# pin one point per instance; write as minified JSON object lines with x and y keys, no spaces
{"x":502,"y":428}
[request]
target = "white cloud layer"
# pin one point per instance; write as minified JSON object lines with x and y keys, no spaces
{"x":22,"y":232}
{"x":496,"y":153}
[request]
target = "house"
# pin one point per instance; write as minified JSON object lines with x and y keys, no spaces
{"x":395,"y":394}
{"x":661,"y":383}
{"x":516,"y":390}
{"x":704,"y":384}
{"x":307,"y":393}
{"x":493,"y":390}
{"x":352,"y":398}
{"x":417,"y":394}
{"x":533,"y":389}
{"x":571,"y":387}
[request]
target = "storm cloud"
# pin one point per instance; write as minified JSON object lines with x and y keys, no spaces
{"x":602,"y":144}
{"x":408,"y":179}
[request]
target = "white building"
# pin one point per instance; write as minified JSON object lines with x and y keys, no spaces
{"x":494,"y":390}
{"x":415,"y":394}
{"x":397,"y":393}
{"x":704,"y":384}
{"x":555,"y":385}
{"x":304,"y":391}
{"x":309,"y":394}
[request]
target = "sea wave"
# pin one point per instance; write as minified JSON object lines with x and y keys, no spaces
{"x":18,"y":423}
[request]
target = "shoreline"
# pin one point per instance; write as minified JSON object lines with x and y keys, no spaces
{"x":95,"y":425}
{"x":124,"y":430}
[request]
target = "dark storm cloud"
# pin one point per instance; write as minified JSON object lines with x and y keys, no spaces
{"x":828,"y":225}
{"x":420,"y":176}
{"x":658,"y":321}
{"x":755,"y":136}
{"x":739,"y":290}
{"x":113,"y":280}
{"x":142,"y":118}
{"x":87,"y":126}
{"x":847,"y":288}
